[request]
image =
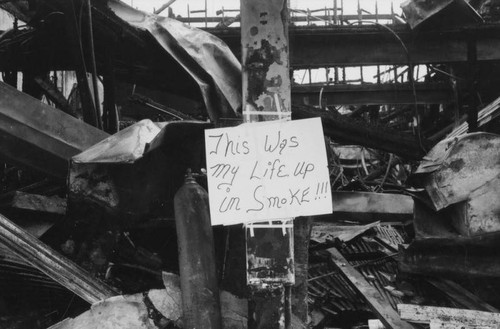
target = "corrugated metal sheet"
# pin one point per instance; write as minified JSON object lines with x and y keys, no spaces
{"x":333,"y":294}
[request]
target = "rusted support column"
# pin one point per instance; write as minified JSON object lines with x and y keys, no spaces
{"x":302,"y":233}
{"x":267,"y":97}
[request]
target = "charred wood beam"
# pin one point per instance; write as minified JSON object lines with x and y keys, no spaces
{"x":455,"y":257}
{"x":345,"y":130}
{"x":55,"y":96}
{"x":371,"y":45}
{"x":51,"y":263}
{"x":461,"y":296}
{"x":42,"y":203}
{"x":373,"y":94}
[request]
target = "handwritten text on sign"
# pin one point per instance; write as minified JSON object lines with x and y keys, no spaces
{"x":269,"y":170}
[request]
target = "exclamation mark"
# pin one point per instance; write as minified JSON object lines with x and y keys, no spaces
{"x":317,"y":192}
{"x":324,"y":188}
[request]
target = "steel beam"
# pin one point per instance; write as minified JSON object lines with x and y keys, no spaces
{"x":323,"y":46}
{"x":38,"y":136}
{"x":372,"y":94}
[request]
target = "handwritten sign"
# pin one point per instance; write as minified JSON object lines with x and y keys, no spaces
{"x":268,"y":170}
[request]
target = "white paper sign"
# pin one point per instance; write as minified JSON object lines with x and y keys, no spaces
{"x":268,"y":170}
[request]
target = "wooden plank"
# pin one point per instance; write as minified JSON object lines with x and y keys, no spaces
{"x":425,"y":314}
{"x":462,"y":296}
{"x":375,"y":300}
{"x":438,"y":324}
{"x":377,"y":203}
{"x":48,"y":261}
{"x":369,"y":207}
{"x":42,"y":203}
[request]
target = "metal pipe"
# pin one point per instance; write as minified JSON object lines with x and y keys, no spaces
{"x":165,"y":6}
{"x":94,"y":67}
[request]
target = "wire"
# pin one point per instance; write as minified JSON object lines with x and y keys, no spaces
{"x":94,"y":66}
{"x":411,"y":78}
{"x":78,"y":24}
{"x":433,"y":68}
{"x":386,"y":173}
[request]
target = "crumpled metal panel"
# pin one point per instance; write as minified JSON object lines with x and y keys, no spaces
{"x":205,"y":57}
{"x":126,"y":146}
{"x":38,"y":136}
{"x":439,"y":12}
{"x":189,"y":56}
{"x":135,"y":173}
{"x":457,"y":166}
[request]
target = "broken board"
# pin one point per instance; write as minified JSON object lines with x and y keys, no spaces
{"x":375,"y":300}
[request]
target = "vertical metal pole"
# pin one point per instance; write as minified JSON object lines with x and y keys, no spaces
{"x":376,"y":20}
{"x":335,"y":14}
{"x":341,"y":12}
{"x":206,"y":14}
{"x":392,"y":12}
{"x":360,"y":14}
{"x":267,"y":97}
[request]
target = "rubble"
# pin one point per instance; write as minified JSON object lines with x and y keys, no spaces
{"x":89,"y":233}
